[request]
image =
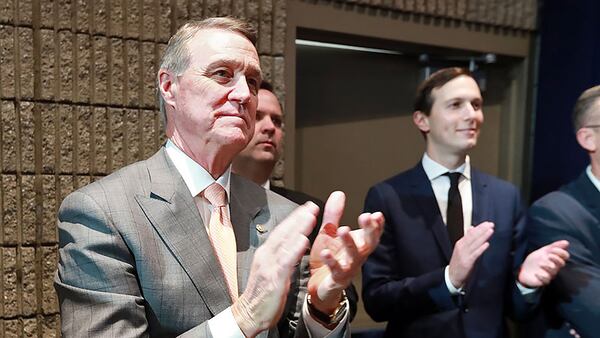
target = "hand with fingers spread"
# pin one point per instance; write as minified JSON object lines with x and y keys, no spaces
{"x":261,"y":304}
{"x":338,"y":253}
{"x":542,"y":265}
{"x":467,"y":251}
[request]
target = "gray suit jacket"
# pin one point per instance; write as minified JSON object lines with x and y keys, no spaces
{"x":135,"y":258}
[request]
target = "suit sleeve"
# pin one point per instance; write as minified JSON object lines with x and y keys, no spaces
{"x":96,"y":280}
{"x":519,"y":306}
{"x":574,"y":292}
{"x":387,"y":293}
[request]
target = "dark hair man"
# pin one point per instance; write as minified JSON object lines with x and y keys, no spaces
{"x":176,"y":245}
{"x":450,"y":262}
{"x":573,"y":213}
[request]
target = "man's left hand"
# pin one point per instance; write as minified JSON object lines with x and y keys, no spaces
{"x":542,"y":265}
{"x":338,"y":253}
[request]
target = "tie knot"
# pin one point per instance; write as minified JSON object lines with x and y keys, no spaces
{"x":453,"y":178}
{"x":216,"y":195}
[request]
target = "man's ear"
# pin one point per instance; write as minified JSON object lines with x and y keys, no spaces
{"x":167,"y":85}
{"x":421,"y":121}
{"x":587,"y":139}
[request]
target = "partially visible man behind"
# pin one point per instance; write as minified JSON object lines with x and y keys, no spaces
{"x":572,"y":301}
{"x":451,"y":260}
{"x":176,"y":245}
{"x":257,"y":160}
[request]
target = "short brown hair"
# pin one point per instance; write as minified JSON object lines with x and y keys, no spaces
{"x":176,"y":58}
{"x":583,"y":106}
{"x":424,"y":99}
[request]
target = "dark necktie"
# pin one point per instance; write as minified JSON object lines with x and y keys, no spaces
{"x":454,"y":214}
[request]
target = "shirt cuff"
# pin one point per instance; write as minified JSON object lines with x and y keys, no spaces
{"x":223,"y":325}
{"x":451,"y":288}
{"x":525,"y":290}
{"x":315,"y":329}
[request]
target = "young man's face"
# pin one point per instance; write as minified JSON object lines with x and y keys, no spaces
{"x":456,"y":116}
{"x":266,"y":144}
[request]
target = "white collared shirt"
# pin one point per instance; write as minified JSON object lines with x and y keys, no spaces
{"x":440,"y":184}
{"x":196,"y":178}
{"x":592,"y":178}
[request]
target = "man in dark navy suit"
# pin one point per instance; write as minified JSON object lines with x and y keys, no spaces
{"x":571,"y":302}
{"x":451,"y":259}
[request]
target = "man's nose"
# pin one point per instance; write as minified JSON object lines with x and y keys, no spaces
{"x":241,"y":91}
{"x":267,"y":125}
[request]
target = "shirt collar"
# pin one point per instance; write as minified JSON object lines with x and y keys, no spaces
{"x":434,"y":170}
{"x":592,"y":178}
{"x":267,"y":185}
{"x":196,"y":178}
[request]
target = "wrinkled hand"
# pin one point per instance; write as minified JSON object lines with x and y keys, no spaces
{"x":338,"y":253}
{"x":542,"y":265}
{"x":261,"y":304}
{"x":466,"y":252}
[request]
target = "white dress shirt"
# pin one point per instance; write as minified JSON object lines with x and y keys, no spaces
{"x":592,"y":178}
{"x":440,"y":184}
{"x":196,"y":178}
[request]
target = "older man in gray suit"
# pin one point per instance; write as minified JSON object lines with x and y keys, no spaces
{"x":176,"y":245}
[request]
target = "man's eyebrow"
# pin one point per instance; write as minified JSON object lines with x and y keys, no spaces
{"x":253,"y":70}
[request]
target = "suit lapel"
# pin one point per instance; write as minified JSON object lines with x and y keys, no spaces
{"x":481,"y":203}
{"x":422,"y":194}
{"x":245,"y":206}
{"x":172,"y":212}
{"x":590,"y":196}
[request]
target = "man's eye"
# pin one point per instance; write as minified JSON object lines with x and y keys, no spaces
{"x":254,"y":85}
{"x":476,"y":105}
{"x":277,"y":122}
{"x":222,"y":74}
{"x":455,"y":104}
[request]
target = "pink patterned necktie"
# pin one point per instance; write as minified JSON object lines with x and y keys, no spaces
{"x":222,"y":236}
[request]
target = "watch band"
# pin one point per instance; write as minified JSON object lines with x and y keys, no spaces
{"x":329,"y":320}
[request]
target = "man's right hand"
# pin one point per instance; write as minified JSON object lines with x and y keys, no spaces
{"x":466,"y":252}
{"x":261,"y":304}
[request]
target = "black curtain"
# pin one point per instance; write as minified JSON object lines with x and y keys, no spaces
{"x":569,"y":63}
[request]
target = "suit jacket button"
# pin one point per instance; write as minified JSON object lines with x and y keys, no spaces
{"x":466,"y":310}
{"x":260,"y":228}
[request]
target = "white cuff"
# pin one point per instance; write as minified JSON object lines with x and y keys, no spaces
{"x":315,"y":329}
{"x":223,"y":325}
{"x":525,"y":290}
{"x":451,"y":288}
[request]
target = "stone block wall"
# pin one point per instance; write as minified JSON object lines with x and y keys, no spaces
{"x":77,"y":101}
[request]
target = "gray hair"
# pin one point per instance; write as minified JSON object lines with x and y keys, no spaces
{"x":583,"y":106}
{"x":177,"y":58}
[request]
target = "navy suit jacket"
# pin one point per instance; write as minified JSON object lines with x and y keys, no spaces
{"x":403,"y":280}
{"x":573,"y":213}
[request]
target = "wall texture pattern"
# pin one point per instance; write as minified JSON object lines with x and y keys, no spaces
{"x":77,"y":101}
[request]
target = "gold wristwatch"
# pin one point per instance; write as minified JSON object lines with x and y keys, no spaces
{"x":330,"y":321}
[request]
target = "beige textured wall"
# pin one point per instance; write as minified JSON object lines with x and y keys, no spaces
{"x":77,"y":102}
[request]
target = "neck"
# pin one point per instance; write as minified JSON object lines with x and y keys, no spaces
{"x":215,"y":160}
{"x":256,"y":171}
{"x":448,"y":160}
